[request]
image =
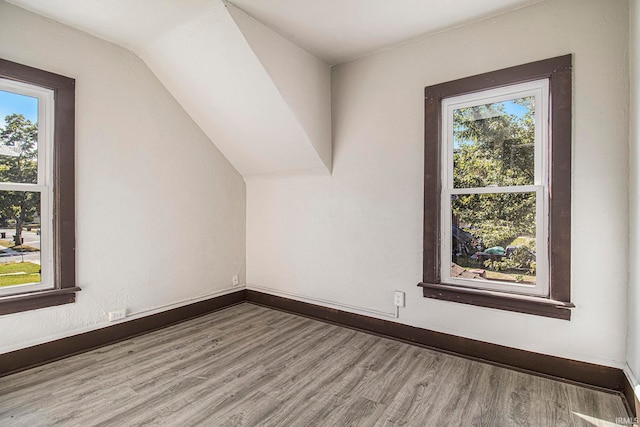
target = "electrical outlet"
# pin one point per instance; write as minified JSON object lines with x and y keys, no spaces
{"x":117,"y":314}
{"x":235,"y":280}
{"x":398,"y":299}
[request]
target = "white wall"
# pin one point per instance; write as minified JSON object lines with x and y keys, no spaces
{"x":195,"y":48}
{"x":633,"y":338}
{"x":353,"y":238}
{"x":303,"y":80}
{"x":160,"y":212}
{"x":211,"y":70}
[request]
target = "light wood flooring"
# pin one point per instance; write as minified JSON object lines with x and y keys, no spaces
{"x":250,"y":365}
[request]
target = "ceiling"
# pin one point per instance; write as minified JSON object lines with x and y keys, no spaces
{"x":254,"y":75}
{"x":335,"y":31}
{"x":129,"y":23}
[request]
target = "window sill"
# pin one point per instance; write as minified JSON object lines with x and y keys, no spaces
{"x":499,"y":300}
{"x":41,"y":299}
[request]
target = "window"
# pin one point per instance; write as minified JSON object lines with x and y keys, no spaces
{"x":498,"y":189}
{"x":37,"y":209}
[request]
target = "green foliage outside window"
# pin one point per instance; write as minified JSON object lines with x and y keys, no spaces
{"x":19,"y":138}
{"x":494,"y":146}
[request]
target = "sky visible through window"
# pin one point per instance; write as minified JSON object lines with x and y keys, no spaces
{"x":509,"y":107}
{"x":20,"y":211}
{"x":13,"y":103}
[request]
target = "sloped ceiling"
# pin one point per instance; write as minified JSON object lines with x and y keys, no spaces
{"x":199,"y":53}
{"x":209,"y":67}
{"x":256,"y":77}
{"x":337,"y":31}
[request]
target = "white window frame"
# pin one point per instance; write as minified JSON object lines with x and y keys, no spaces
{"x":539,"y":89}
{"x":44,"y":185}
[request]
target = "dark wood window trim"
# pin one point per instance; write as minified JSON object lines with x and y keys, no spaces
{"x":63,"y":191}
{"x":558,"y":305}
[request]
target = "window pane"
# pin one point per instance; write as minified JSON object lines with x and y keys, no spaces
{"x":19,"y":237}
{"x":493,"y":237}
{"x":493,"y":144}
{"x":18,"y":138}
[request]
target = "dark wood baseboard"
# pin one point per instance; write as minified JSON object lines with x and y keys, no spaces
{"x":538,"y":364}
{"x":535,"y":363}
{"x":632,"y":399}
{"x":37,"y":355}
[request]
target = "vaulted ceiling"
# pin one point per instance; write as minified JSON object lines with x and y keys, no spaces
{"x":337,"y":31}
{"x":255,"y":74}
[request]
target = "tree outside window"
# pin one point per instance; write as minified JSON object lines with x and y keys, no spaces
{"x":19,"y":163}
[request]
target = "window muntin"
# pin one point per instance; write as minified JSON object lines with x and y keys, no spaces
{"x":558,"y":71}
{"x":495,"y":189}
{"x":61,"y":164}
{"x":26,"y":187}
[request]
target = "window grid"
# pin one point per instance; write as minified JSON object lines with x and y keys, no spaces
{"x":558,"y":71}
{"x":44,"y":121}
{"x":538,"y":90}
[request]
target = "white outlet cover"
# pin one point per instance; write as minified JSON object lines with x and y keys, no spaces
{"x":117,"y":315}
{"x":398,"y":299}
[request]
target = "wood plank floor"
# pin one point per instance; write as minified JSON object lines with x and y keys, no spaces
{"x":250,"y":365}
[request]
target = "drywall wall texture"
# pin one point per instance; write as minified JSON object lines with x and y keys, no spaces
{"x":355,"y":237}
{"x":304,"y":81}
{"x":633,"y":336}
{"x":160,"y":211}
{"x":202,"y":57}
{"x":229,"y":94}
